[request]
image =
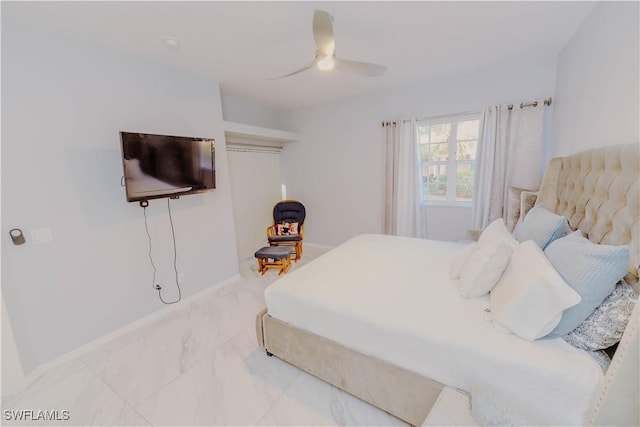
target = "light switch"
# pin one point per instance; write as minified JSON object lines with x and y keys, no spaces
{"x":41,"y":235}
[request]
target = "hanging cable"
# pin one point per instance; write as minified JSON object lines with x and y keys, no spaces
{"x":155,"y":285}
{"x":175,"y":259}
{"x":146,"y":228}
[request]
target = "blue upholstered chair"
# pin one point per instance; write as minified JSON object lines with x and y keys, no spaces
{"x":286,"y":213}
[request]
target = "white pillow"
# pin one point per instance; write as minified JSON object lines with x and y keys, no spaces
{"x":496,"y":233}
{"x":484,"y":269}
{"x":460,"y":260}
{"x":531,"y":296}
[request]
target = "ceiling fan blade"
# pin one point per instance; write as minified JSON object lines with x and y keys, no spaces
{"x":313,"y":64}
{"x":323,"y":32}
{"x":360,"y":68}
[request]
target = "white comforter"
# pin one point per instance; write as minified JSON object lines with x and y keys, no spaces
{"x":392,"y":297}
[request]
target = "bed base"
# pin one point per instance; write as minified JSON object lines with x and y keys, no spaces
{"x":398,"y":391}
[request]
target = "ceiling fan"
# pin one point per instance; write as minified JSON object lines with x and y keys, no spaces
{"x":325,"y":58}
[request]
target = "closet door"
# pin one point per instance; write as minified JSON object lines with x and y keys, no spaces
{"x":255,"y":188}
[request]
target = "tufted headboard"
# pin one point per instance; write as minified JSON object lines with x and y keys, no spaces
{"x":598,"y":191}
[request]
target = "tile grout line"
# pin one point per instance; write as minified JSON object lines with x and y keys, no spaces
{"x":124,"y":400}
{"x":194,"y":324}
{"x":279,"y":397}
{"x":9,"y":401}
{"x":203,"y":360}
{"x":249,"y":282}
{"x":134,"y":407}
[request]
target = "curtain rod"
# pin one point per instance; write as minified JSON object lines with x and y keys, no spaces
{"x":532,"y":104}
{"x":441,"y":116}
{"x":522,"y":105}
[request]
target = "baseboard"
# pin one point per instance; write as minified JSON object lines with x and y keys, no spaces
{"x":131,"y":327}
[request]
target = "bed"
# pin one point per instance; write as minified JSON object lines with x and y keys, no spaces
{"x":380,"y":318}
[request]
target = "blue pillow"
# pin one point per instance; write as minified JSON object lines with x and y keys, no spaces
{"x":541,"y":226}
{"x":591,"y":270}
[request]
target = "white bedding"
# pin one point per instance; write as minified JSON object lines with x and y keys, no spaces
{"x":392,"y":297}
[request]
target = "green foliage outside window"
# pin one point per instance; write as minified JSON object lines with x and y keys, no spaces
{"x":436,"y":188}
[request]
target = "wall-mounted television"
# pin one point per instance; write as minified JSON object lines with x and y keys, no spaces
{"x":158,"y":166}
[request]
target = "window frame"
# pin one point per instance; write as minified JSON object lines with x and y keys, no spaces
{"x":452,"y":162}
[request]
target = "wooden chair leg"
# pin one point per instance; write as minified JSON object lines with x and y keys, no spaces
{"x":287,"y":264}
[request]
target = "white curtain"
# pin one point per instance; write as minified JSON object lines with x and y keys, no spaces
{"x":404,"y":212}
{"x":391,"y":166}
{"x":255,"y":188}
{"x":509,"y":156}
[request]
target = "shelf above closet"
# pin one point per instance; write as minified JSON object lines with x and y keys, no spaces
{"x":256,"y":133}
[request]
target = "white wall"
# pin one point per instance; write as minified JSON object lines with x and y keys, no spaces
{"x":241,"y":110}
{"x":12,"y":376}
{"x":597,"y":87}
{"x":337,"y":168}
{"x":63,"y":104}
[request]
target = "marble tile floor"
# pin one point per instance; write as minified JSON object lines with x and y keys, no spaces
{"x":200,"y":365}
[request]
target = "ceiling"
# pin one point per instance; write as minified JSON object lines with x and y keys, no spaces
{"x":244,"y":44}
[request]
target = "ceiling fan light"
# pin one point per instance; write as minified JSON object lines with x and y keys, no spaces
{"x":326,"y":63}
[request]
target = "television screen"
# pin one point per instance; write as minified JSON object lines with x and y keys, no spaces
{"x":158,"y":166}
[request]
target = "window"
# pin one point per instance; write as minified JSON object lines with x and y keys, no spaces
{"x":448,"y":156}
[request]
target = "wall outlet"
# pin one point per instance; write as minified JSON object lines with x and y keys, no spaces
{"x":41,"y":235}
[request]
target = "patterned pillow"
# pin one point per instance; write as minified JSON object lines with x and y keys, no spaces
{"x":287,"y":229}
{"x":293,"y":228}
{"x":605,"y":326}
